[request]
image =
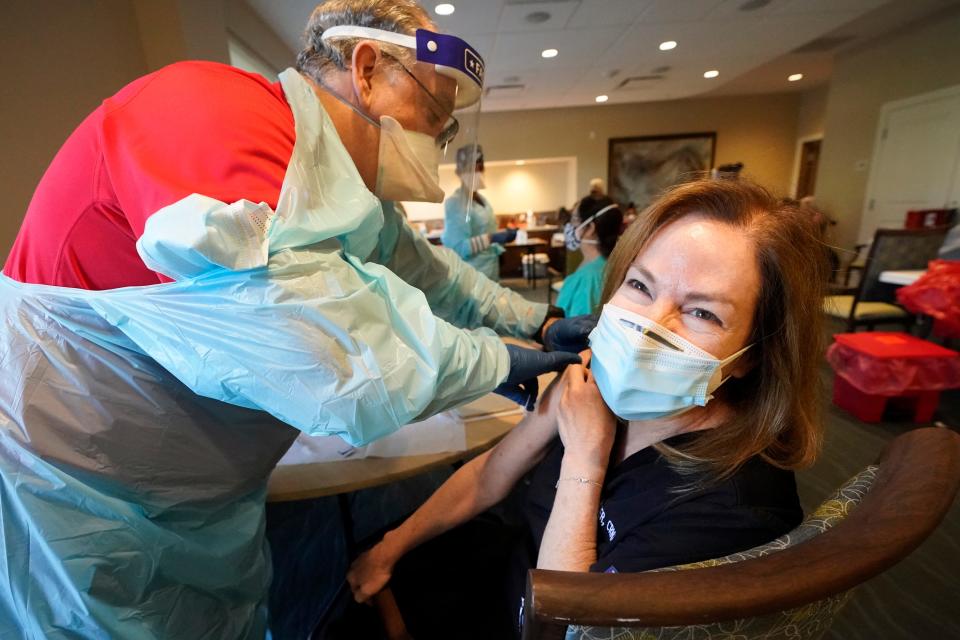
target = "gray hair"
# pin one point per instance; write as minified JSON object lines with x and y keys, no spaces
{"x":318,"y":57}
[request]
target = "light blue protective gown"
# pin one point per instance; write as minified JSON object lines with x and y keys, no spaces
{"x":582,"y":289}
{"x":138,"y":426}
{"x":463,"y":221}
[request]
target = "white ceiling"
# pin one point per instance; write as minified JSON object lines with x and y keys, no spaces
{"x":602,"y":43}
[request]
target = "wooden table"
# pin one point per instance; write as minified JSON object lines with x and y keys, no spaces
{"x":486,"y":424}
{"x":900,"y":277}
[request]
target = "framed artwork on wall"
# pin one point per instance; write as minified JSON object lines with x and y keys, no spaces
{"x":641,"y":168}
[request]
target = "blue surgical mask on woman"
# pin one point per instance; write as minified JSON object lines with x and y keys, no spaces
{"x":645,"y":371}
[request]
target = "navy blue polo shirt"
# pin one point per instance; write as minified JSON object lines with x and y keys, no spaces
{"x":644,"y":522}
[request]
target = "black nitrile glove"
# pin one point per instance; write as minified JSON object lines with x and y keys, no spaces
{"x":552,"y":312}
{"x":503,"y":237}
{"x":525,"y":365}
{"x":570,"y":334}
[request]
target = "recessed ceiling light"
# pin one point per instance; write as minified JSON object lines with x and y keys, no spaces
{"x":713,"y":73}
{"x":549,"y":53}
{"x":602,"y":98}
{"x":793,"y":77}
{"x":520,"y":163}
{"x":444,"y":9}
{"x":669,"y":44}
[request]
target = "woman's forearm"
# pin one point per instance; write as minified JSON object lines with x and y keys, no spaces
{"x":570,"y":538}
{"x":464,"y":495}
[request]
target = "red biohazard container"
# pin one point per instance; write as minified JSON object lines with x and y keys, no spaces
{"x":874,"y":367}
{"x":920,"y":218}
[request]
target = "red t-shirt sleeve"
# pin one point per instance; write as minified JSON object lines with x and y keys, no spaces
{"x":195,"y":127}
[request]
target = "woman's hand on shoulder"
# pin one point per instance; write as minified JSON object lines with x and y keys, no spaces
{"x":587,"y":427}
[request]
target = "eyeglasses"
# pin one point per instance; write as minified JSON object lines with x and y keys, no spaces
{"x":452,"y":126}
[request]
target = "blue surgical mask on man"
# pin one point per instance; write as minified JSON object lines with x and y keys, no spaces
{"x":645,"y":371}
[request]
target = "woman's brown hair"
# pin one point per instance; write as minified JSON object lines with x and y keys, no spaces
{"x":775,"y":407}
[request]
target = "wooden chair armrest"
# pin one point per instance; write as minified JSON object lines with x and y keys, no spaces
{"x":918,"y":479}
{"x":390,"y":615}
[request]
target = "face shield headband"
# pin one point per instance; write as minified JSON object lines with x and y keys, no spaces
{"x":571,"y":230}
{"x":449,"y":55}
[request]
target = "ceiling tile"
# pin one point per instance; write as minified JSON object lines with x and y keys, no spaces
{"x":662,"y":11}
{"x":598,"y":37}
{"x":578,"y":49}
{"x":606,"y":13}
{"x":520,"y":17}
{"x":470,"y":16}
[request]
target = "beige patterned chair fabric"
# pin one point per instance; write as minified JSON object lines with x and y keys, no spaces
{"x":804,"y":623}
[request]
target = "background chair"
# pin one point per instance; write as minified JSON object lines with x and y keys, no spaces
{"x":892,"y":250}
{"x":790,"y":588}
{"x":842,"y":267}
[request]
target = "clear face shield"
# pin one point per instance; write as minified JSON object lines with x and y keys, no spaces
{"x":450,"y":105}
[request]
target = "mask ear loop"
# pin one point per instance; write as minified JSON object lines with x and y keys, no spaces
{"x":725,"y":362}
{"x":349,"y":104}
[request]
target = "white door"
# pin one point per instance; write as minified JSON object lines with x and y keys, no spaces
{"x":916,"y":160}
{"x":953,"y":201}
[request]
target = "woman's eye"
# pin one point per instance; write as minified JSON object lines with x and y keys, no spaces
{"x":703,"y":314}
{"x":639,"y":286}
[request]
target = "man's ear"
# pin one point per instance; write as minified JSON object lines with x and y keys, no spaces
{"x":364,"y":61}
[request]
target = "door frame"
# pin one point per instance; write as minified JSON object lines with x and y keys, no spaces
{"x":885,"y":109}
{"x":798,"y":156}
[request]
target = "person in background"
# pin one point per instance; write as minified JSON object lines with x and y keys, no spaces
{"x":629,"y":215}
{"x":676,"y":444}
{"x":822,"y":221}
{"x":598,"y":189}
{"x":729,"y":171}
{"x":470,"y":227}
{"x":593,"y":230}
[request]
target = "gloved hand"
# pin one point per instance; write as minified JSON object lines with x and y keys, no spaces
{"x":569,"y":334}
{"x":553,"y":313}
{"x":521,"y":384}
{"x":503,"y":237}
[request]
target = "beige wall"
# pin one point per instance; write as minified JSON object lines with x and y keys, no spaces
{"x":760,"y":131}
{"x":918,"y":59}
{"x":248,"y":27}
{"x":58,"y":60}
{"x":813,"y":112}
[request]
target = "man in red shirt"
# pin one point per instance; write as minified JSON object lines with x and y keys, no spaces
{"x":191,"y":127}
{"x":132,"y":500}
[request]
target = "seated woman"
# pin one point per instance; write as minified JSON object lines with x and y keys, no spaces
{"x":593,"y":230}
{"x":676,"y":443}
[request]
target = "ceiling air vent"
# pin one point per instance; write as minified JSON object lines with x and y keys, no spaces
{"x":537,"y":17}
{"x":639,"y":82}
{"x":503,"y":90}
{"x":824,"y":44}
{"x":753,"y":5}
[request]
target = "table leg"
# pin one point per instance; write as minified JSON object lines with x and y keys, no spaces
{"x":531,"y":251}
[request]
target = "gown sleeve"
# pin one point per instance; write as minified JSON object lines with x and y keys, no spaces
{"x":455,"y":291}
